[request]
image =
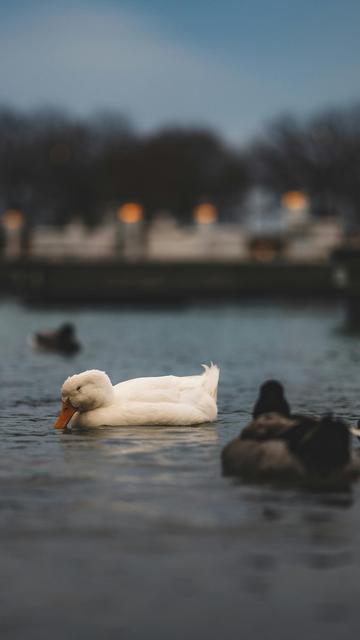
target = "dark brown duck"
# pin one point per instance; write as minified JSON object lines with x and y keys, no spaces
{"x":278,"y":446}
{"x":63,"y":340}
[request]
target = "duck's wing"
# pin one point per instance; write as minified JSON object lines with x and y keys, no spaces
{"x":268,"y":426}
{"x":168,"y":388}
{"x":45,"y":340}
{"x":261,"y":452}
{"x":159,"y":389}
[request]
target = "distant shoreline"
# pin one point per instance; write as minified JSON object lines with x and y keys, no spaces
{"x":115,"y":282}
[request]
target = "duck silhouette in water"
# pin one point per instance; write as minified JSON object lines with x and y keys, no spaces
{"x":62,"y":340}
{"x":280,"y":447}
{"x":271,"y":400}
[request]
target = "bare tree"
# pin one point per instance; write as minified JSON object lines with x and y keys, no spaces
{"x":320,"y":156}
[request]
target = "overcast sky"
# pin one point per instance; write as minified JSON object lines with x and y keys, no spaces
{"x":229,"y":64}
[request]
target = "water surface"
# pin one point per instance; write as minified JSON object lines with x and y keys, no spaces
{"x":134,"y":533}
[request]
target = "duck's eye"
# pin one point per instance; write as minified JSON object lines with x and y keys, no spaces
{"x":78,"y":388}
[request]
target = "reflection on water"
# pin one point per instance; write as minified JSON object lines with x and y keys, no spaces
{"x":134,"y":532}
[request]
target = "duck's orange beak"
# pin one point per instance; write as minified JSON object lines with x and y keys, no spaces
{"x":65,"y":415}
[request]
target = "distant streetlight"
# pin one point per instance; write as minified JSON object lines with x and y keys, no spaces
{"x":295,"y":200}
{"x":205,"y":216}
{"x":13,"y":220}
{"x":130,"y":237}
{"x":130,"y":213}
{"x":296,"y":206}
{"x":205,"y":213}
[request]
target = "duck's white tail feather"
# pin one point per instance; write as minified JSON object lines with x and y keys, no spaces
{"x":355,"y":432}
{"x":211,"y":379}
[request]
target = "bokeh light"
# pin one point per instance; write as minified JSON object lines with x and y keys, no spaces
{"x":130,"y":213}
{"x":295,"y":200}
{"x":13,"y":219}
{"x":205,"y":213}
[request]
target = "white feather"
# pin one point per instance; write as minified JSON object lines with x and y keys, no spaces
{"x":165,"y":400}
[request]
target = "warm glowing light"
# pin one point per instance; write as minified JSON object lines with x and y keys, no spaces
{"x":130,"y":213}
{"x":13,"y":219}
{"x":205,"y":214}
{"x":295,"y":200}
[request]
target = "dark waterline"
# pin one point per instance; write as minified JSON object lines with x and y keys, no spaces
{"x":134,"y":533}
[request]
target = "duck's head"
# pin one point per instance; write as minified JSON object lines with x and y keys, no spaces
{"x":272,"y":388}
{"x":271,"y":399}
{"x":66,"y":331}
{"x":84,"y":392}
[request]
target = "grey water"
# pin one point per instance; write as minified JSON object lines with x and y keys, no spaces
{"x":133,"y":532}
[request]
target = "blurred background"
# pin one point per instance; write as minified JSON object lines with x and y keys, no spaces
{"x":178,"y":133}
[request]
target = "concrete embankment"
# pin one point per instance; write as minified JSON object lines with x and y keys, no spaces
{"x":116,"y":282}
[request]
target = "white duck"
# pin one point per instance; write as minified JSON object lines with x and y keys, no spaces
{"x":90,"y":400}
